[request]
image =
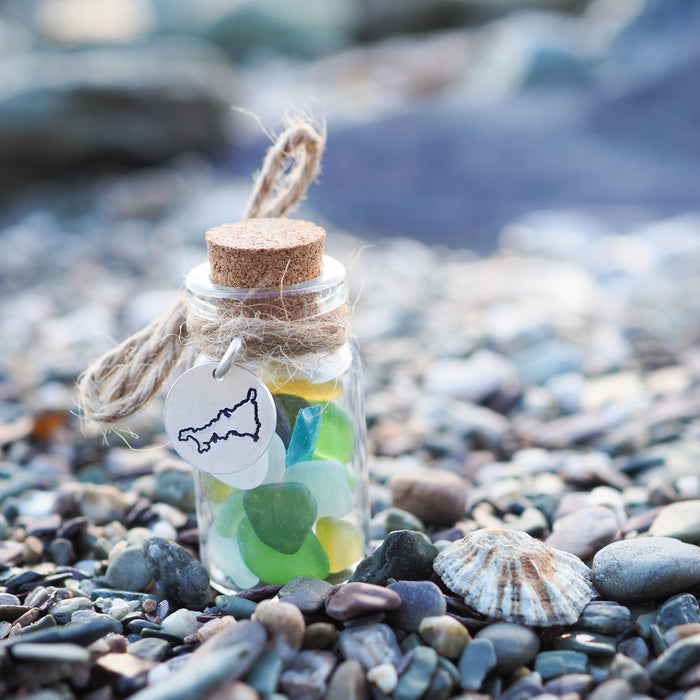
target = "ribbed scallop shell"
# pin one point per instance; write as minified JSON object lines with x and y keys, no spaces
{"x":508,"y":575}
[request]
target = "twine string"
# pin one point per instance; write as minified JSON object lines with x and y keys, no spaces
{"x":119,"y":384}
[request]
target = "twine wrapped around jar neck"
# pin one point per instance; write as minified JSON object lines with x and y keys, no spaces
{"x":121,"y":382}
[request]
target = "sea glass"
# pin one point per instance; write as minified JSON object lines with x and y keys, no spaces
{"x":281,"y":515}
{"x":305,"y":434}
{"x":327,"y":481}
{"x":275,"y":567}
{"x":225,"y":555}
{"x":342,"y":541}
{"x":306,"y":389}
{"x":336,"y":435}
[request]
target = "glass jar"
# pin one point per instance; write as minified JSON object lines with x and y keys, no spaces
{"x":302,"y":509}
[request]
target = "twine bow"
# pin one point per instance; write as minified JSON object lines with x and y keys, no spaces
{"x":122,"y":381}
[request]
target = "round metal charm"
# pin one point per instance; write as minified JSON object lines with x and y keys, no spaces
{"x":220,"y":426}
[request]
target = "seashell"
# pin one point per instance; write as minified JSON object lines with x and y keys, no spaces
{"x":508,"y":575}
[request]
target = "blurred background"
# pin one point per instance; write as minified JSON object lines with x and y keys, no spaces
{"x":447,"y":118}
{"x":130,"y":127}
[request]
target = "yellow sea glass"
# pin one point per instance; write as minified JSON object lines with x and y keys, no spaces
{"x":325,"y":391}
{"x":341,"y":540}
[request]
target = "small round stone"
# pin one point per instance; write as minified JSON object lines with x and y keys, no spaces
{"x":240,"y":608}
{"x":419,"y":599}
{"x":349,"y":600}
{"x":680,"y":520}
{"x":514,"y":645}
{"x":477,"y":661}
{"x":319,"y":635}
{"x":284,"y":624}
{"x":415,"y":680}
{"x":551,"y":664}
{"x":181,"y":623}
{"x":673,"y":661}
{"x":433,"y":495}
{"x":347,"y":682}
{"x":308,"y":594}
{"x":585,"y":531}
{"x":128,"y":571}
{"x":444,"y":634}
{"x":605,"y":617}
{"x":307,"y":674}
{"x":643,"y":569}
{"x":371,"y":645}
{"x":384,"y":677}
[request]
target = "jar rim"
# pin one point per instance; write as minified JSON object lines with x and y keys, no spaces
{"x":331,"y":279}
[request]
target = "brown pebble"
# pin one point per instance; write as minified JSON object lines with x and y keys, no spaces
{"x":434,"y":495}
{"x":284,"y":624}
{"x":348,"y":682}
{"x":319,"y":635}
{"x":585,"y":531}
{"x":149,"y":605}
{"x":33,"y":550}
{"x":237,"y":690}
{"x":348,"y":600}
{"x":682,"y":631}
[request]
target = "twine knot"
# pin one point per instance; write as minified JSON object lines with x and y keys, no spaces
{"x":121,"y":382}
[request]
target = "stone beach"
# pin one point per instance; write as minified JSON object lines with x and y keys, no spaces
{"x":572,"y":417}
{"x":548,"y":384}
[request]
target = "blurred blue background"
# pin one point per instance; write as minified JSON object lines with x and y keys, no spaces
{"x":447,"y":119}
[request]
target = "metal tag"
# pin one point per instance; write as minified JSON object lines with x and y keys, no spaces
{"x":220,"y":426}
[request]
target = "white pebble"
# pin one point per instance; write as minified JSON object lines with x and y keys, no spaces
{"x":181,"y":623}
{"x":385,"y":677}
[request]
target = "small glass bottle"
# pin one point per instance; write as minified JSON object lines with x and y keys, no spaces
{"x":302,"y":508}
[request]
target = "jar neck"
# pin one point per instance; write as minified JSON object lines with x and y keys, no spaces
{"x":274,"y":324}
{"x":316,"y":297}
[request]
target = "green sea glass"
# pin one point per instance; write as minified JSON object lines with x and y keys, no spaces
{"x":336,"y":436}
{"x":272,"y":566}
{"x":225,"y":555}
{"x":327,"y":482}
{"x":291,"y":405}
{"x":229,"y":515}
{"x":281,"y":515}
{"x":304,"y":436}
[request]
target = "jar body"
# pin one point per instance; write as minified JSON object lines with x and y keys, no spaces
{"x":302,"y":509}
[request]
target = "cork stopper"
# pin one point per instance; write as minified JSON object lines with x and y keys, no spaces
{"x":256,"y":253}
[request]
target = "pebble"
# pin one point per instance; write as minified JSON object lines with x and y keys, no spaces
{"x":514,"y":645}
{"x":418,"y":599}
{"x":307,"y":675}
{"x":579,"y":683}
{"x":179,"y":577}
{"x":371,"y":645}
{"x":128,"y":570}
{"x":550,"y":664}
{"x":181,"y":623}
{"x":605,"y":617}
{"x":384,"y":677}
{"x":674,"y":660}
{"x":445,"y":634}
{"x":355,"y":599}
{"x":477,"y":661}
{"x":319,"y":635}
{"x":584,"y":532}
{"x":285,"y":627}
{"x":415,"y":680}
{"x":240,"y":608}
{"x":680,"y":520}
{"x":265,"y":675}
{"x":629,"y":670}
{"x":308,"y":594}
{"x":615,"y":689}
{"x":434,"y":496}
{"x":681,"y":609}
{"x":404,"y":555}
{"x":639,"y":570}
{"x":150,"y":649}
{"x":591,"y":644}
{"x":347,"y":683}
